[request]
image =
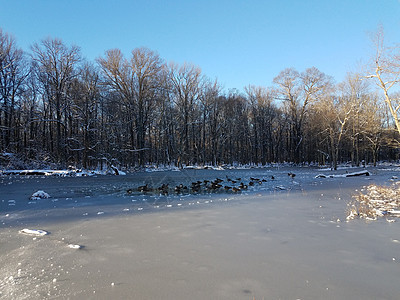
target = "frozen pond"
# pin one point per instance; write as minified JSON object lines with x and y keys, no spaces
{"x":285,"y":238}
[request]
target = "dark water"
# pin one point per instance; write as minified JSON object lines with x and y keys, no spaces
{"x":73,"y":197}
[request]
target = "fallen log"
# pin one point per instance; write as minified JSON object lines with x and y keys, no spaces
{"x":366,"y":173}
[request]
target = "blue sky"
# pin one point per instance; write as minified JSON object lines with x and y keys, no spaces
{"x":237,"y":42}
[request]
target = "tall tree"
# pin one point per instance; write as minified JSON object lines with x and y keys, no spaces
{"x":85,"y":114}
{"x":209,"y":102}
{"x":386,"y":72}
{"x":13,"y":72}
{"x":186,"y":85}
{"x":57,"y":68}
{"x":137,"y":81}
{"x":335,"y":113}
{"x":262,"y":115}
{"x":298,"y":92}
{"x":288,"y":88}
{"x":356,"y":91}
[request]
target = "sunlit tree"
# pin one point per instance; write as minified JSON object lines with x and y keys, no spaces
{"x":385,"y":70}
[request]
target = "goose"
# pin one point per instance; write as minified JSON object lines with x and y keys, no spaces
{"x":180,"y":187}
{"x":144,"y":188}
{"x":243,"y":186}
{"x":235,"y":190}
{"x":163,"y":189}
{"x":196,"y":188}
{"x":196,"y":183}
{"x":214,"y":186}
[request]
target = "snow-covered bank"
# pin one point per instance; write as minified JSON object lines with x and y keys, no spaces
{"x":113,"y":170}
{"x":62,"y":173}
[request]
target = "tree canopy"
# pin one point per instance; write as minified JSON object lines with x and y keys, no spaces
{"x":57,"y":108}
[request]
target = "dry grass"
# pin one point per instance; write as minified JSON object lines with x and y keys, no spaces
{"x":374,"y":202}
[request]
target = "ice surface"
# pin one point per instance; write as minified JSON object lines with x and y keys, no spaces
{"x":263,"y":243}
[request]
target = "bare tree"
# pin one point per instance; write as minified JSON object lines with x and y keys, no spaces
{"x":235,"y":142}
{"x":209,"y":105}
{"x":356,"y":91}
{"x":262,"y":114}
{"x":56,"y":64}
{"x":386,"y":72}
{"x":298,"y":91}
{"x":13,"y":72}
{"x":137,"y":81}
{"x":186,"y":85}
{"x":85,"y":97}
{"x":334,"y":114}
{"x":373,"y":131}
{"x":288,"y":82}
{"x":31,"y":116}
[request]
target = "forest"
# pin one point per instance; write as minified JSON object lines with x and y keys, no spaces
{"x":58,"y":109}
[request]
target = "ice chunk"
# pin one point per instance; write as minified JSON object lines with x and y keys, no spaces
{"x":37,"y":232}
{"x":39,"y":195}
{"x":74,"y":246}
{"x":280,"y":187}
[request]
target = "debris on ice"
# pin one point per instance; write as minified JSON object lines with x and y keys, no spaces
{"x":280,"y":187}
{"x":353,"y":174}
{"x":377,"y":201}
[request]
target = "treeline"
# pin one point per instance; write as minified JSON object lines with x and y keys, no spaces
{"x":137,"y":110}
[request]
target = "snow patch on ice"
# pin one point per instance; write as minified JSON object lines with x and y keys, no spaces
{"x":36,"y":232}
{"x":75,"y":246}
{"x":39,"y":195}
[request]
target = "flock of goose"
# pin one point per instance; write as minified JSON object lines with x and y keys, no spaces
{"x":206,"y":186}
